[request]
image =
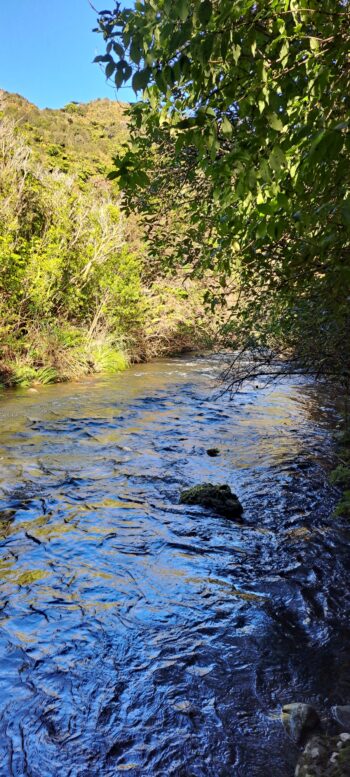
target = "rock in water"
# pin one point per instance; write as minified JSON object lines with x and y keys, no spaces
{"x":7,"y":515}
{"x":218,"y":498}
{"x":325,"y":757}
{"x":213,"y":452}
{"x":299,"y":719}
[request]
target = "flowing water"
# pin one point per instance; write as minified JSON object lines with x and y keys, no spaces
{"x":139,"y":635}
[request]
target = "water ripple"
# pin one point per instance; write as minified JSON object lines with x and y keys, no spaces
{"x":139,"y":635}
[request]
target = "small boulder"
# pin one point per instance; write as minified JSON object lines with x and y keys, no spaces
{"x":342,"y":716}
{"x":6,"y":516}
{"x":213,"y":452}
{"x":218,"y":498}
{"x":299,"y":720}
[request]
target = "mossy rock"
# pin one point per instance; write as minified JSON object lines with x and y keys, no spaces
{"x":325,"y":757}
{"x":299,"y":720}
{"x":218,"y":498}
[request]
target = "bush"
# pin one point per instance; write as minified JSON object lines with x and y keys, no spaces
{"x":74,"y":294}
{"x":340,"y":476}
{"x":343,"y":508}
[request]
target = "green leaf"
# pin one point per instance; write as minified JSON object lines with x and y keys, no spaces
{"x":168,"y":75}
{"x":277,"y":158}
{"x":345,"y":213}
{"x":119,"y":77}
{"x":113,"y":175}
{"x":119,"y":50}
{"x":275,"y":122}
{"x":135,"y":51}
{"x":264,"y":171}
{"x":158,"y":77}
{"x":261,"y":229}
{"x":104,"y":58}
{"x":236,"y":53}
{"x":181,"y":8}
{"x":266,"y":208}
{"x":205,"y":11}
{"x":206,"y":49}
{"x":284,"y":52}
{"x":141,"y":79}
{"x":283,"y":201}
{"x":226,"y":127}
{"x":261,"y":68}
{"x":110,"y":69}
{"x":184,"y":64}
{"x":225,"y":42}
{"x":127,"y":72}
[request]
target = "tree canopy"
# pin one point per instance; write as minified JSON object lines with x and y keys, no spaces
{"x":239,"y":158}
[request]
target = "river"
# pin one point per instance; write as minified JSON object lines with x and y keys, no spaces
{"x":139,"y":635}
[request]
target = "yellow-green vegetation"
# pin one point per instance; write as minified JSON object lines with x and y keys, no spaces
{"x":79,"y":138}
{"x":75,"y":296}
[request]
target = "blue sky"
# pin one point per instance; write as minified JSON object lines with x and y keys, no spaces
{"x":46,"y":52}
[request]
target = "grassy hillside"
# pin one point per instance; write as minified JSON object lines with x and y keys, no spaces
{"x":77,"y":294}
{"x":79,"y":138}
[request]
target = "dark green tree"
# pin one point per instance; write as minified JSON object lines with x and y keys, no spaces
{"x":239,"y":161}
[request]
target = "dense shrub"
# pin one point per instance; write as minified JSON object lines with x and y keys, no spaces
{"x":74,"y":294}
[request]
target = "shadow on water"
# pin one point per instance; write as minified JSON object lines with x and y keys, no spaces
{"x":143,"y":636}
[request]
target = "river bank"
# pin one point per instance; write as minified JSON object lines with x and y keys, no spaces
{"x":64,"y":353}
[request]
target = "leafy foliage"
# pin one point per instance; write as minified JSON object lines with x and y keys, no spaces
{"x":75,"y":296}
{"x":239,"y":161}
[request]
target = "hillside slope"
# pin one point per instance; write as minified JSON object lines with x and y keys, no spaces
{"x":79,"y":138}
{"x":75,"y":296}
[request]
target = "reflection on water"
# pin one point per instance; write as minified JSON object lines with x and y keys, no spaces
{"x":145,"y":636}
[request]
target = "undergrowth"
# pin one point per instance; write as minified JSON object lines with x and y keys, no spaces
{"x":340,"y":476}
{"x":62,"y":355}
{"x":77,"y":295}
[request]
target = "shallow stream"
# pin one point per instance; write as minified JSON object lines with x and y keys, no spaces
{"x":138,"y":635}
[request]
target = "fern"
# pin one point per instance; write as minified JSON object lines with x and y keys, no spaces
{"x":105,"y":358}
{"x":46,"y":375}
